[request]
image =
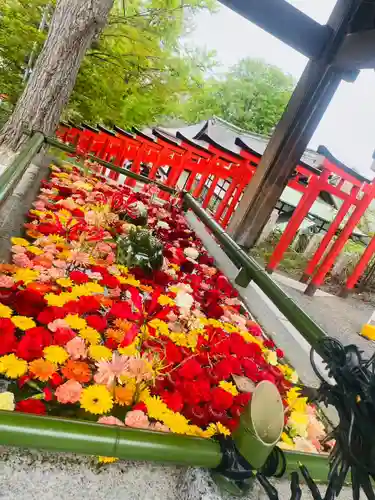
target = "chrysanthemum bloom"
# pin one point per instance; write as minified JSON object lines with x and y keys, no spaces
{"x":6,"y":281}
{"x":56,"y":324}
{"x":42,"y":369}
{"x":99,"y":352}
{"x":96,"y":399}
{"x":140,"y":369}
{"x":77,"y":370}
{"x":76,"y":348}
{"x":109,"y":371}
{"x":12,"y":367}
{"x":23,"y":322}
{"x":91,"y":335}
{"x":137,"y":419}
{"x":69,"y":392}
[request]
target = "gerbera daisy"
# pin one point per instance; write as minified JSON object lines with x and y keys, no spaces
{"x":77,"y":370}
{"x":12,"y":367}
{"x":23,"y":322}
{"x":99,"y":352}
{"x":42,"y":369}
{"x":55,"y":354}
{"x":96,"y":399}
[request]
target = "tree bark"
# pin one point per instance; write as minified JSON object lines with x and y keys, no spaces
{"x":74,"y":25}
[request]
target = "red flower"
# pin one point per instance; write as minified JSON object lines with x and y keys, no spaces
{"x":29,"y":303}
{"x":215,"y":311}
{"x":242,"y":399}
{"x":31,"y":406}
{"x":270,"y":344}
{"x":56,"y":380}
{"x":173,"y":353}
{"x":279,"y":353}
{"x":97,"y":322}
{"x":49,"y":314}
{"x":122,"y":310}
{"x":220,"y":399}
{"x":33,"y":342}
{"x":6,"y":327}
{"x":190,"y":369}
{"x":251,"y":369}
{"x":79,"y":277}
{"x":173,"y":400}
{"x":110,"y":281}
{"x":8,"y":343}
{"x":111,"y":344}
{"x":223,"y":369}
{"x":23,"y":380}
{"x":47,"y":394}
{"x":62,"y":336}
{"x":48,"y":228}
{"x":88,"y":304}
{"x":198,"y":415}
{"x":140,"y":406}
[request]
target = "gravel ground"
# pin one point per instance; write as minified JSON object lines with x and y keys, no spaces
{"x":340,"y":318}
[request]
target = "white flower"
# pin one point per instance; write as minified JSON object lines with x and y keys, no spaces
{"x":271,"y":357}
{"x":184,"y":300}
{"x":162,"y":225}
{"x":191,"y":253}
{"x":7,"y":401}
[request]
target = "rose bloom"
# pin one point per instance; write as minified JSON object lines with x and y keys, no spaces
{"x":76,"y":348}
{"x":56,"y":324}
{"x":70,"y":392}
{"x":21,"y":260}
{"x":137,"y":419}
{"x":6,"y":281}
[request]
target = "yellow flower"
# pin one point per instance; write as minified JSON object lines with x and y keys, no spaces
{"x":271,"y":358}
{"x":26,"y":275}
{"x":12,"y":367}
{"x":35,"y":250}
{"x":56,"y":238}
{"x":74,"y":321}
{"x":129,"y":280}
{"x":107,"y":460}
{"x":160,"y":326}
{"x":94,"y":288}
{"x":64,"y":282}
{"x":96,"y":399}
{"x":55,"y":354}
{"x":129,"y":350}
{"x":23,"y":322}
{"x":164,"y":300}
{"x":7,"y":401}
{"x":229,"y":387}
{"x":5,"y":311}
{"x":286,"y":439}
{"x":298,"y":423}
{"x":99,"y":352}
{"x":217,"y":428}
{"x":20,"y":242}
{"x":54,"y":300}
{"x":91,"y":335}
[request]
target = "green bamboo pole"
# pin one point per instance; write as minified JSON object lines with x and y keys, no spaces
{"x":141,"y":178}
{"x":13,"y":173}
{"x":86,"y":438}
{"x":299,"y":319}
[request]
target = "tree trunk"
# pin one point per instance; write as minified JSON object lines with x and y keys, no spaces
{"x":74,"y":25}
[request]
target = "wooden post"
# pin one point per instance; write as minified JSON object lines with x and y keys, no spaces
{"x":294,"y":131}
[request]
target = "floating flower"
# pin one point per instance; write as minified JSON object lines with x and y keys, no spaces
{"x":229,"y":387}
{"x":77,"y":370}
{"x":137,"y":419}
{"x":42,"y":369}
{"x":12,"y":367}
{"x":7,"y":401}
{"x":99,"y":352}
{"x":23,"y":322}
{"x":75,"y":322}
{"x":55,"y":354}
{"x":69,"y":392}
{"x":26,"y":275}
{"x":76,"y":348}
{"x":91,"y":335}
{"x":111,"y":370}
{"x":124,"y":395}
{"x":5,"y":311}
{"x":6,"y":281}
{"x":20,"y":242}
{"x":96,"y":399}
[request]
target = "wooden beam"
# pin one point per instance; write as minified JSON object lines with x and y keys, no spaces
{"x":357,"y":51}
{"x":285,"y":22}
{"x":292,"y":134}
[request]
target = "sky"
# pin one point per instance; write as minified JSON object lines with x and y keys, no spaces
{"x":348,"y":127}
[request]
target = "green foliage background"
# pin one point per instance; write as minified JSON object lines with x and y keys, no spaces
{"x":140,"y":72}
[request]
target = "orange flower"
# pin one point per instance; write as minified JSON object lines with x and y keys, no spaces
{"x":39,"y":287}
{"x":117,"y":335}
{"x":42,"y":261}
{"x":124,"y":395}
{"x":31,"y":233}
{"x":42,"y":369}
{"x":8,"y":268}
{"x":77,"y":370}
{"x":123,"y":324}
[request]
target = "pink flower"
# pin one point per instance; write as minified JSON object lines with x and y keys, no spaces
{"x":76,"y":348}
{"x":51,"y":248}
{"x":70,"y":392}
{"x":111,"y":421}
{"x":109,"y":371}
{"x":139,"y":369}
{"x":39,"y":205}
{"x":6,"y":281}
{"x":137,"y":419}
{"x":79,"y":258}
{"x":114,"y":292}
{"x":56,"y":273}
{"x":103,"y":247}
{"x":18,"y":249}
{"x":21,"y":260}
{"x":57,"y":323}
{"x":157,"y":426}
{"x":110,"y":258}
{"x":60,"y":264}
